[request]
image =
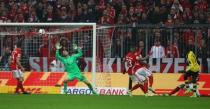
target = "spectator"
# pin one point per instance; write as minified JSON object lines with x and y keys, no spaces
{"x":187,"y":16}
{"x":157,"y":51}
{"x":187,"y":35}
{"x":203,"y":54}
{"x":208,"y":43}
{"x":63,"y":17}
{"x":121,"y":19}
{"x":48,"y":14}
{"x":33,"y":16}
{"x":169,"y":21}
{"x":111,"y":12}
{"x":5,"y":58}
{"x":127,"y":41}
{"x":44,"y":50}
{"x":142,"y":48}
{"x":155,"y":16}
{"x":163,"y":13}
{"x":106,"y":19}
{"x":171,"y":50}
{"x":117,"y":51}
{"x":55,"y":66}
{"x":144,"y":19}
{"x":208,"y":19}
{"x":131,"y":16}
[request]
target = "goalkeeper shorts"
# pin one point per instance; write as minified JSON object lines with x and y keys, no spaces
{"x":77,"y":76}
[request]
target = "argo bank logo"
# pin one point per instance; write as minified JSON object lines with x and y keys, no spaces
{"x":99,"y":90}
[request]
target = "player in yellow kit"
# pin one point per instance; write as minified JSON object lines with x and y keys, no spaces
{"x":190,"y":76}
{"x":192,"y":71}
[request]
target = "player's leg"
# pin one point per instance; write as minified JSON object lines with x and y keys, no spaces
{"x":18,"y":74}
{"x":82,"y":78}
{"x":150,"y":79}
{"x":146,"y":87}
{"x":195,"y":85}
{"x":68,"y":77}
{"x":136,"y":86}
{"x":142,"y":79}
{"x":150,"y":76}
{"x":177,"y":89}
{"x":65,"y":85}
{"x":187,"y":79}
{"x":21,"y":82}
{"x":138,"y":79}
{"x":130,"y":83}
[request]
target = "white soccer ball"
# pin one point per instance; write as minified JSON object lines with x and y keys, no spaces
{"x":41,"y":31}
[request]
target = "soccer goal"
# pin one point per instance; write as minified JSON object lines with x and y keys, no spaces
{"x":38,"y":50}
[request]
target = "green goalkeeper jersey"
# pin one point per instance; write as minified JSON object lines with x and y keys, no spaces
{"x":70,"y":62}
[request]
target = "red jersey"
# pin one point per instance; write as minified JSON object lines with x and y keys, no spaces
{"x":131,"y":63}
{"x":172,"y":52}
{"x":138,"y":54}
{"x":16,"y":53}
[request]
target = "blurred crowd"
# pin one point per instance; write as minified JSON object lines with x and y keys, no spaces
{"x":107,"y":11}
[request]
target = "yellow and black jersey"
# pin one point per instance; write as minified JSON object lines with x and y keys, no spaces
{"x":192,"y":63}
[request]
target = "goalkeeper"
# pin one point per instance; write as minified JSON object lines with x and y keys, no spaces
{"x":71,"y":67}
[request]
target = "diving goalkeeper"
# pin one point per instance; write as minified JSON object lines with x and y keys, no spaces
{"x":71,"y":67}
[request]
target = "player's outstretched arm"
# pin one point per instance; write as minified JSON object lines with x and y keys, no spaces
{"x":57,"y":54}
{"x":79,"y":51}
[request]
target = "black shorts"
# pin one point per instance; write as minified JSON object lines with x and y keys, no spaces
{"x":193,"y":75}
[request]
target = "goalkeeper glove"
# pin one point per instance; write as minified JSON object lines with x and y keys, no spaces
{"x":58,"y":46}
{"x":75,"y":46}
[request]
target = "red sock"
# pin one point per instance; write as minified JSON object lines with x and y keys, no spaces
{"x":150,"y":81}
{"x":17,"y":88}
{"x":21,"y":86}
{"x":174,"y":91}
{"x":146,"y":86}
{"x":135,"y":87}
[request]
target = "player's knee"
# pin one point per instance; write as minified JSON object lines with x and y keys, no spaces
{"x":195,"y":85}
{"x":86,"y":82}
{"x":181,"y":86}
{"x":65,"y":81}
{"x":20,"y":79}
{"x":194,"y":80}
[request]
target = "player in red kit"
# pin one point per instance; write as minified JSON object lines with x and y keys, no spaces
{"x":135,"y":71}
{"x":17,"y":68}
{"x":141,"y":61}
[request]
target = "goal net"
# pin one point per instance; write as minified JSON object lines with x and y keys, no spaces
{"x":38,"y":53}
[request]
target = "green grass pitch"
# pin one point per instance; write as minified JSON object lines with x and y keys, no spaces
{"x":10,"y":101}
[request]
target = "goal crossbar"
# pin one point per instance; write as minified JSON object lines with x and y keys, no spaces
{"x":47,"y":24}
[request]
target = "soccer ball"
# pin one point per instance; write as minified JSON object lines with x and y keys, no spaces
{"x":41,"y":31}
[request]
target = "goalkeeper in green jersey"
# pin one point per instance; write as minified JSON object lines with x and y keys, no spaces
{"x":71,"y":67}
